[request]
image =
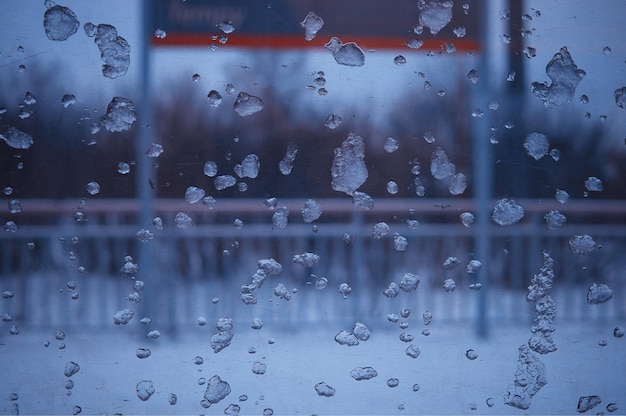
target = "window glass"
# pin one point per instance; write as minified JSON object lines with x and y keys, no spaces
{"x":295,"y":207}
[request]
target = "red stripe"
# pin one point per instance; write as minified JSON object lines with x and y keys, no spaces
{"x":297,"y":42}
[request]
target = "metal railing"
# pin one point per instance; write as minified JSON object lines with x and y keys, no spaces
{"x":188,"y":268}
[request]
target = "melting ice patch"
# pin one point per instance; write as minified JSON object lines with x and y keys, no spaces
{"x":530,"y":377}
{"x":507,"y":212}
{"x":60,"y":23}
{"x":246,"y":104}
{"x":349,"y":171}
{"x":435,"y":15}
{"x":114,"y":51}
{"x":15,"y":138}
{"x":120,"y":115}
{"x":536,"y":145}
{"x":440,"y":165}
{"x":565,"y":77}
{"x":348,"y":54}
{"x":312,"y":24}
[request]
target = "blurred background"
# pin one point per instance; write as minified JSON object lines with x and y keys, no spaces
{"x":465,"y":89}
{"x":154,"y":152}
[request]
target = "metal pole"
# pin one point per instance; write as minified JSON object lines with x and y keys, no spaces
{"x":144,"y":168}
{"x":482,"y":178}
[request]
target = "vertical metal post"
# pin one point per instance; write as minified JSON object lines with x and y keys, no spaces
{"x":482,"y":173}
{"x":144,"y":168}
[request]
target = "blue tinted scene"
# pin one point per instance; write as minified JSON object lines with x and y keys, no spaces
{"x":291,"y":207}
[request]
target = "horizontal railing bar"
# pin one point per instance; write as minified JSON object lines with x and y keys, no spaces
{"x":305,"y":230}
{"x":452,"y":206}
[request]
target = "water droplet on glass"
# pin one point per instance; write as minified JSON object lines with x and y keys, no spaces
{"x":311,"y":211}
{"x":217,"y":389}
{"x":280,"y":218}
{"x":565,"y":77}
{"x":582,"y":244}
{"x":400,"y":243}
{"x":120,"y":115}
{"x":15,"y":207}
{"x":554,"y":219}
{"x":160,"y":34}
{"x":362,"y":200}
{"x":210,"y":169}
{"x":412,"y":224}
{"x":183,"y":220}
{"x":215,"y":99}
{"x":348,"y":170}
{"x":114,"y":51}
{"x":471,"y":354}
{"x":226,"y":27}
{"x":473,"y":76}
{"x":15,"y":138}
{"x":599,"y":293}
{"x":459,"y":32}
{"x":415,"y":43}
{"x":224,"y":181}
{"x":29,"y":98}
{"x":123,"y":316}
{"x":145,"y":235}
{"x":324,"y":390}
{"x":586,"y":403}
{"x":449,"y":285}
{"x":60,"y":23}
{"x":123,"y":168}
{"x":510,"y":76}
{"x":246,"y":104}
{"x":68,"y":100}
{"x":507,"y":212}
{"x":536,"y":145}
{"x":380,"y":230}
{"x":321,"y":283}
{"x":93,"y":188}
{"x":594,"y":184}
{"x":399,"y":60}
{"x":332,"y":121}
{"x":429,"y":137}
{"x":620,"y":97}
{"x":435,"y":14}
{"x":286,"y":163}
{"x":259,"y":368}
{"x":391,"y":145}
{"x":440,"y":166}
{"x":345,"y":290}
{"x":473,"y":266}
{"x":145,"y":389}
{"x":363,"y":373}
{"x":194,"y":194}
{"x":458,"y":184}
{"x":412,"y":351}
{"x":406,"y":337}
{"x":312,"y":24}
{"x":70,"y":369}
{"x":393,"y":382}
{"x":467,"y":219}
{"x":143,"y":353}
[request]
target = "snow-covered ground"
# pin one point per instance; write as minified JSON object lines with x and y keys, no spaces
{"x":449,"y":383}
